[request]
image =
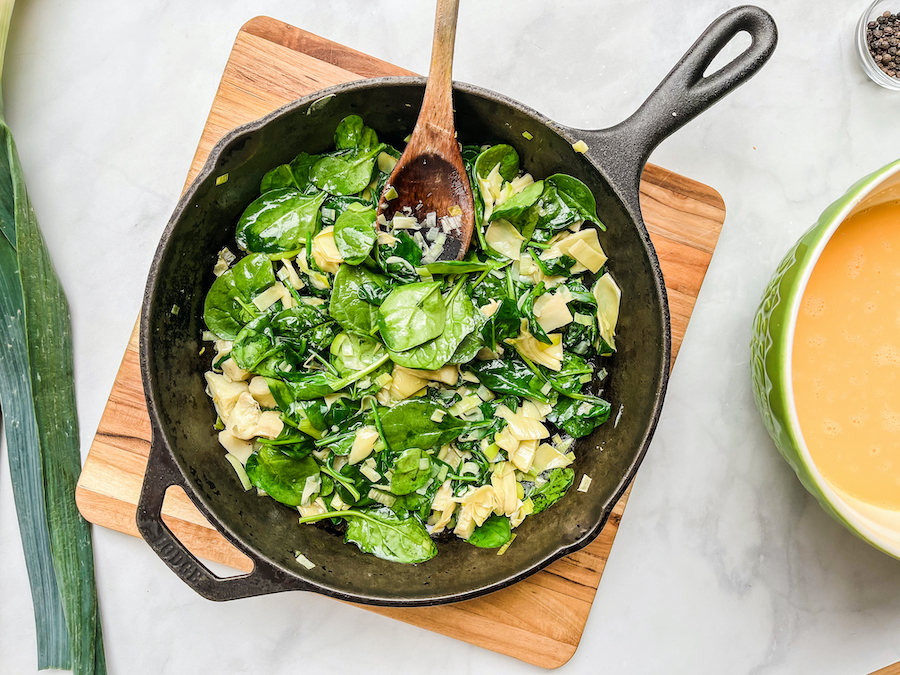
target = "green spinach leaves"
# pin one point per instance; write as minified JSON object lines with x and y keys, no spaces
{"x":278,"y":221}
{"x":229,"y":303}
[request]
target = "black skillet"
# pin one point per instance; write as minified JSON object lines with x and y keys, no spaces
{"x":185,"y":451}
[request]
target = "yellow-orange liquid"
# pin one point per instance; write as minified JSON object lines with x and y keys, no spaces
{"x":846,"y":358}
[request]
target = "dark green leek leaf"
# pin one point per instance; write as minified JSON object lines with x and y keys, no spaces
{"x":37,"y":396}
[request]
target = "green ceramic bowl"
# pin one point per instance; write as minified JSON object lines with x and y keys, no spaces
{"x":771,"y":349}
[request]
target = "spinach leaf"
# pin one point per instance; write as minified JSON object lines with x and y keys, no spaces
{"x":492,"y":533}
{"x":489,"y":288}
{"x":354,"y":233}
{"x":351,"y":353}
{"x":460,"y":322}
{"x":300,"y":166}
{"x":346,"y":307}
{"x":301,"y":386}
{"x":568,"y":378}
{"x":565,"y":201}
{"x":580,"y":415}
{"x":279,"y":220}
{"x":503,"y":323}
{"x":528,"y":312}
{"x":281,"y":476}
{"x":468,"y":348}
{"x":581,"y":338}
{"x":272,"y":334}
{"x":338,"y":204}
{"x":279,"y":177}
{"x":401,"y":260}
{"x":383,"y":534}
{"x":504,"y":155}
{"x":353,"y":133}
{"x":412,"y":315}
{"x":345,"y":172}
{"x":546,"y":494}
{"x":374,"y":295}
{"x":229,"y":303}
{"x":522,"y":209}
{"x":410,"y":471}
{"x":554,"y":267}
{"x":409,"y":425}
{"x":459,"y":266}
{"x":508,"y":376}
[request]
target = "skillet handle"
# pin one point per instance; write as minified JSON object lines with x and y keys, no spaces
{"x":623,"y":150}
{"x":163,"y":473}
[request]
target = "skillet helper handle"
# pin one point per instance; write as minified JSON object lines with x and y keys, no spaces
{"x":684,"y":93}
{"x":162,"y":473}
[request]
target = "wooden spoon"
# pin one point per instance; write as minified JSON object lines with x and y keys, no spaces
{"x":430,"y":175}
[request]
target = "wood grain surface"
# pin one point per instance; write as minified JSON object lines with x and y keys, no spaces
{"x":271,"y":64}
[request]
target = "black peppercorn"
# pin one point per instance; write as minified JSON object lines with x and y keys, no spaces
{"x":883,"y":43}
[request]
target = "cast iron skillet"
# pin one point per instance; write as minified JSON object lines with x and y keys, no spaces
{"x":185,"y":451}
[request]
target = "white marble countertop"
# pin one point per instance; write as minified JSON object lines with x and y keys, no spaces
{"x":723,"y":563}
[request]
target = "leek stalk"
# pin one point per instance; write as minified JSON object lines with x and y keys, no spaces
{"x":37,"y":398}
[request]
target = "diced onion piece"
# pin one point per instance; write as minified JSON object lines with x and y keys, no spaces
{"x":240,"y":471}
{"x":221,"y":180}
{"x":386,"y":238}
{"x":404,"y":223}
{"x":382,"y":496}
{"x":267,"y":298}
{"x":485,"y":394}
{"x":235,"y":446}
{"x":363,"y":444}
{"x":386,"y":162}
{"x":455,"y":210}
{"x":438,"y":415}
{"x":390,"y":193}
{"x":585,"y":484}
{"x":527,"y":135}
{"x":608,"y":296}
{"x":370,"y":473}
{"x":465,"y":405}
{"x":580,"y":146}
{"x":329,"y":213}
{"x":384,"y":379}
{"x":325,"y":251}
{"x":584,"y":319}
{"x":504,"y":239}
{"x":303,"y":560}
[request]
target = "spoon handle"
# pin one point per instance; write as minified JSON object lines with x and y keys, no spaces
{"x":437,"y":106}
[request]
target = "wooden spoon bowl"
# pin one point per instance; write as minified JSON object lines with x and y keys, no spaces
{"x":431,"y":176}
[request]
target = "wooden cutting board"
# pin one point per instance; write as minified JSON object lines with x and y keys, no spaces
{"x":271,"y":64}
